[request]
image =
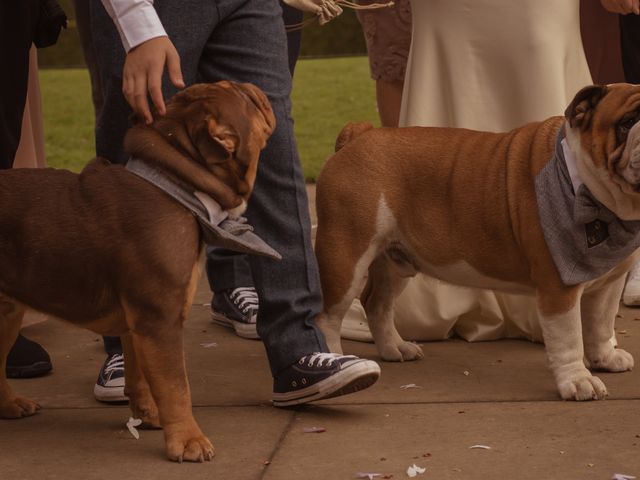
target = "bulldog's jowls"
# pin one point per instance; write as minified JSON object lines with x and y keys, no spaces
{"x":549,"y":209}
{"x":109,"y":251}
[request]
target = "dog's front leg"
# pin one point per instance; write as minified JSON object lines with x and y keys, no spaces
{"x":10,"y":321}
{"x":161,"y":357}
{"x":141,"y":402}
{"x":599,"y":309}
{"x":559,"y":314}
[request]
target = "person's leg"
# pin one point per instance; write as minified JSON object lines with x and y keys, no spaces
{"x":630,"y":36}
{"x":387,"y":33}
{"x":235,"y":301}
{"x":109,"y":387}
{"x":112,"y":122}
{"x":82,"y":12}
{"x":292,"y":16}
{"x":389,"y":99}
{"x":249,"y":45}
{"x":17,"y":26}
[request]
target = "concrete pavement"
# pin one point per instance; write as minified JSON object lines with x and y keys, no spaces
{"x":507,"y":402}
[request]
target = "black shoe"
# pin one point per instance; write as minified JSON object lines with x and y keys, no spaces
{"x":27,"y":359}
{"x":109,"y":387}
{"x":323,"y":375}
{"x":237,"y":308}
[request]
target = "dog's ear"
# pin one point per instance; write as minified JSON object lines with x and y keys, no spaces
{"x":215,"y":141}
{"x":580,"y":110}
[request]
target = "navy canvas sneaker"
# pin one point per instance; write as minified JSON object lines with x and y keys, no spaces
{"x":109,"y":387}
{"x":237,"y":308}
{"x":27,"y":359}
{"x":323,"y":375}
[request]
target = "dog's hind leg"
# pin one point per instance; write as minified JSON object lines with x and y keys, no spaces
{"x":10,"y":320}
{"x":599,"y":308}
{"x":141,"y":402}
{"x":387,"y":279}
{"x":343,"y":275}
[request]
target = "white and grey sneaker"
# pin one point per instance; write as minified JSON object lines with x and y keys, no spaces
{"x":631,"y":292}
{"x":323,"y":375}
{"x":109,"y":387}
{"x":237,"y":308}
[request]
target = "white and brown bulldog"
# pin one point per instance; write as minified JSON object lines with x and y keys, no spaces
{"x":550,"y":209}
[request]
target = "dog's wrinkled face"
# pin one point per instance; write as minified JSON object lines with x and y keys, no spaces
{"x":603,"y":131}
{"x":228,"y":124}
{"x":210,"y":137}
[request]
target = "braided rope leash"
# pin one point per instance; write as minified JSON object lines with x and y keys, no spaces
{"x":341,"y":3}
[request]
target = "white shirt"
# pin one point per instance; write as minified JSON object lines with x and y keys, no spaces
{"x":136,"y":20}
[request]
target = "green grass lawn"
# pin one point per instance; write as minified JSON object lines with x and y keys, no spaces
{"x":327,"y":94}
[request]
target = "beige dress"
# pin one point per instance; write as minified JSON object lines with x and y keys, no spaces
{"x":485,"y":65}
{"x":30,"y":151}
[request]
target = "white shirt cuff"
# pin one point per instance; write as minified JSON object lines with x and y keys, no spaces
{"x":136,"y":20}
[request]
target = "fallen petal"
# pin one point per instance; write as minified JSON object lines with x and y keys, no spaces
{"x":414,"y":470}
{"x":314,"y":429}
{"x":408,"y":386}
{"x":367,"y":475}
{"x":132,"y":423}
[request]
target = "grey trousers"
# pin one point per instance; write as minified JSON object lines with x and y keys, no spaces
{"x":225,"y":269}
{"x":244,"y":41}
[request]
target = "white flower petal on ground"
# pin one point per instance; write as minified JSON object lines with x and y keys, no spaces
{"x":414,"y":470}
{"x":132,"y":423}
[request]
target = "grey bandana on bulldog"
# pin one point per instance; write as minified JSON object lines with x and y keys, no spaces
{"x":218,"y":228}
{"x":585,"y":238}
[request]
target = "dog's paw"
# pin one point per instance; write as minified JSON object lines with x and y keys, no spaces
{"x":581,"y":388}
{"x":403,"y":351}
{"x":195,"y":449}
{"x":617,"y":360}
{"x":18,"y":407}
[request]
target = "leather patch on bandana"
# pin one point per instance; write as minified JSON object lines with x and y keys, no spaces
{"x":596,"y":233}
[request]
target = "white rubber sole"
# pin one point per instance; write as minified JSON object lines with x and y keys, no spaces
{"x":244,"y":330}
{"x":109,"y":394}
{"x":352,"y":379}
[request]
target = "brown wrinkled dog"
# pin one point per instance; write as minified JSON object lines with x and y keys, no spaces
{"x":464,"y":206}
{"x":108,"y":251}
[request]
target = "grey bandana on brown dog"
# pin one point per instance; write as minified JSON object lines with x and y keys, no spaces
{"x":218,"y":228}
{"x":585,"y":238}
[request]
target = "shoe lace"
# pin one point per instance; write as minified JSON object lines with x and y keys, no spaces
{"x":115,"y":362}
{"x":322,"y":359}
{"x":245,"y":298}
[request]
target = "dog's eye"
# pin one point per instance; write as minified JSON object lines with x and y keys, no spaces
{"x":626,"y":125}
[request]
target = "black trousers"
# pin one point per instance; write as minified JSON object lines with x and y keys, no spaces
{"x":18,"y":20}
{"x":630,"y":44}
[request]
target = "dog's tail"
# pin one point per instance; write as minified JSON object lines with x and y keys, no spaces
{"x":351,"y":131}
